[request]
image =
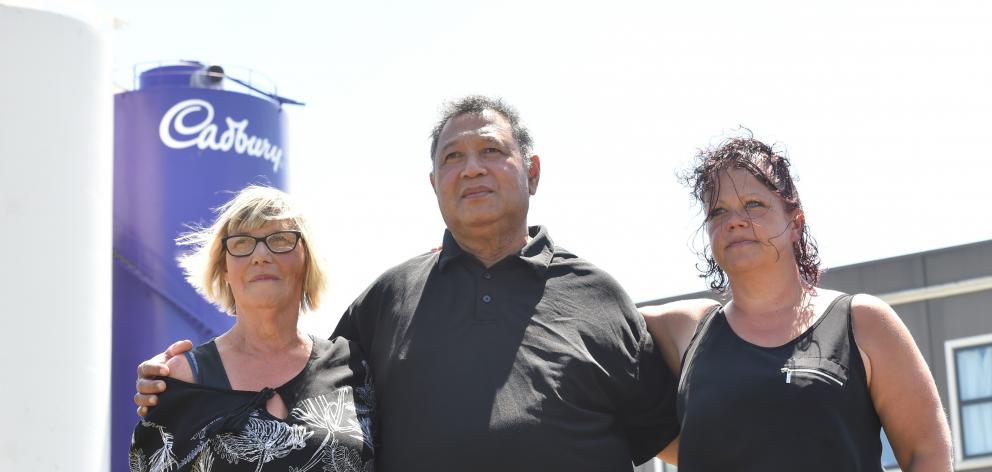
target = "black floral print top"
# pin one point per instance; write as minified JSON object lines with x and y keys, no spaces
{"x":329,"y":427}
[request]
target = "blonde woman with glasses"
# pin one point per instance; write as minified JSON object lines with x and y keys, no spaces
{"x":262,"y":394}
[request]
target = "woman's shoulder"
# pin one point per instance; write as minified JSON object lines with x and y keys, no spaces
{"x":689,"y":310}
{"x":870,"y":315}
{"x":878,"y":330}
{"x":180,"y":369}
{"x":673,"y":324}
{"x":869,"y":304}
{"x":873,"y":318}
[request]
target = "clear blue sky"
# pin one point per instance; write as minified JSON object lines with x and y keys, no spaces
{"x":884,"y":108}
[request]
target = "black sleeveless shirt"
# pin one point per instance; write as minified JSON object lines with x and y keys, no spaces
{"x":800,"y":406}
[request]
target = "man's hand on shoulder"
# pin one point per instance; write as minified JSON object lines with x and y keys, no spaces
{"x":148,"y":386}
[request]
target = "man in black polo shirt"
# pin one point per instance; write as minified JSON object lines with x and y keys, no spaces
{"x":502,"y":351}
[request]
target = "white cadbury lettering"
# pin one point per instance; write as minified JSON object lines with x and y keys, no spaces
{"x":203,"y":135}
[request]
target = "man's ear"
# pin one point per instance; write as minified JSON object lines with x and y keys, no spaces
{"x":534,"y":173}
{"x":432,"y":183}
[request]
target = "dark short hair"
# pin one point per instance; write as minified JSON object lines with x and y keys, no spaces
{"x":769,"y":167}
{"x":476,"y":104}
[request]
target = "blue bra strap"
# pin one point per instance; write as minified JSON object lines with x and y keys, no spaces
{"x":192,"y":365}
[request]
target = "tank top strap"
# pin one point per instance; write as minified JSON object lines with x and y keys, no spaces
{"x":209,"y":369}
{"x":837,"y":316}
{"x":701,"y":329}
{"x":829,"y":342}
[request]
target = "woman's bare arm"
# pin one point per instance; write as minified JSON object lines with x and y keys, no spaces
{"x":902,"y":388}
{"x":672,"y":326}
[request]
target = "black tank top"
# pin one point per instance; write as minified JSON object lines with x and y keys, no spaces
{"x":204,"y":361}
{"x":800,"y":406}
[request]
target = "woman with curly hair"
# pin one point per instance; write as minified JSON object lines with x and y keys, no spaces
{"x":786,"y":375}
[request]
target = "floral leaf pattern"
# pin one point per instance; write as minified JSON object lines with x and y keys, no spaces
{"x":338,"y":418}
{"x":344,"y":459}
{"x":162,"y":460}
{"x":137,"y":461}
{"x":204,"y":462}
{"x":261,"y":441}
{"x":338,"y":414}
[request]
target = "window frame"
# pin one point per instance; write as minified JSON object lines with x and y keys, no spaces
{"x":951,"y":347}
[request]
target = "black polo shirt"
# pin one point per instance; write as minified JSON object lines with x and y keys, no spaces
{"x":540,"y":362}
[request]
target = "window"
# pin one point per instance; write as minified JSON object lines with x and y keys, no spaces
{"x":969,"y":380}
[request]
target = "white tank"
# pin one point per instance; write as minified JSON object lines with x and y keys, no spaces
{"x":56,"y":174}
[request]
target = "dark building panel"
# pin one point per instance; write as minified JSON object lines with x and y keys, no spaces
{"x":890,"y":275}
{"x":958,"y":263}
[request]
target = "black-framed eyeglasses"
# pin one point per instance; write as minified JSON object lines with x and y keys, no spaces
{"x":279,"y":242}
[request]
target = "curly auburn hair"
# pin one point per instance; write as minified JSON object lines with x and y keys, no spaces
{"x":769,"y":167}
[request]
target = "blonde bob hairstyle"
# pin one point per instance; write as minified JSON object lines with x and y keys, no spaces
{"x":252,"y":207}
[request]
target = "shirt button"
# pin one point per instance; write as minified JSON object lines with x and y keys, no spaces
{"x":486,"y":299}
{"x":487,"y":275}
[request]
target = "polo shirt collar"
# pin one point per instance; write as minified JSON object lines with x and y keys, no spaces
{"x":450,"y":250}
{"x":537,"y":253}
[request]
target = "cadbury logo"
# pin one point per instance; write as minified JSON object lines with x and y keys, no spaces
{"x":205,"y":134}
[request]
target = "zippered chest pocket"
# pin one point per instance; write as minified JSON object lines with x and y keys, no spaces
{"x":809,"y":370}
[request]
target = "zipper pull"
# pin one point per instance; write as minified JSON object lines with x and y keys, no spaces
{"x":788,"y":374}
